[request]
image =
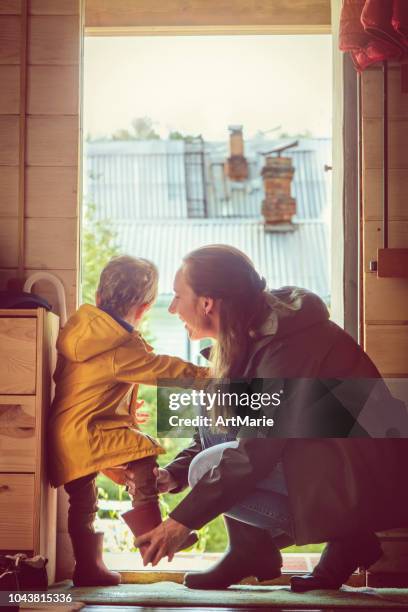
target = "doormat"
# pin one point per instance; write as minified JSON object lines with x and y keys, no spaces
{"x":240,"y":596}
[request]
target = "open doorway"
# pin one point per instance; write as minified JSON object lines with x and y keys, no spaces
{"x":162,"y":116}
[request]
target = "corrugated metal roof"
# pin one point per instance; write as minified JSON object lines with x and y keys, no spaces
{"x":141,"y":188}
{"x":147,"y":179}
{"x":311,"y":185}
{"x":297,"y":258}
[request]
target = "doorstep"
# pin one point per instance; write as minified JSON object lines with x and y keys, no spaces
{"x":182,"y":562}
{"x":131,"y":567}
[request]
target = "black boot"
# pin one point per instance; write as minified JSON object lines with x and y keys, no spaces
{"x":340,"y":558}
{"x":90,"y":570}
{"x":251,"y":552}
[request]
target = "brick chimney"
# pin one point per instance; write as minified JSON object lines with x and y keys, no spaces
{"x":278,"y":207}
{"x":236,"y":166}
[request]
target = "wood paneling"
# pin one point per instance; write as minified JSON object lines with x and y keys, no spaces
{"x":10,"y":7}
{"x":5,"y":276}
{"x":52,"y":141}
{"x":8,"y":190}
{"x":9,"y":39}
{"x":51,"y":243}
{"x":9,"y":139}
{"x":386,"y":299}
{"x":16,"y":511}
{"x":52,"y":130}
{"x":8,"y":242}
{"x":17,"y":433}
{"x":9,"y":90}
{"x":53,"y":90}
{"x":372,"y":143}
{"x":18,"y":355}
{"x":54,"y":40}
{"x":371,"y":91}
{"x":392,"y":263}
{"x":387,"y":346}
{"x":54,"y":7}
{"x":397,"y":235}
{"x":51,"y":191}
{"x":128,"y":13}
{"x":397,"y":194}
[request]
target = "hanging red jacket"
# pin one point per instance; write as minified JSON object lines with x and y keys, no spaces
{"x":374,"y":30}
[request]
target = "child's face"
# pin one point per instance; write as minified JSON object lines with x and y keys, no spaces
{"x":193,"y":310}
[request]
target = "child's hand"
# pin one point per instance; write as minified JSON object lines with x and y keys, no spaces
{"x":165,"y":481}
{"x":138,"y":418}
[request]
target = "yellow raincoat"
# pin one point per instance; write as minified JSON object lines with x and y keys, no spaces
{"x":99,"y":362}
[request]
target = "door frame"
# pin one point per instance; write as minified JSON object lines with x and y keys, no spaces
{"x":345,"y":201}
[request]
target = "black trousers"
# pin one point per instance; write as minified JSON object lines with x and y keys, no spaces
{"x":83,"y":493}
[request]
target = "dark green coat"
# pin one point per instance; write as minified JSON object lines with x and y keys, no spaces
{"x":337,"y":486}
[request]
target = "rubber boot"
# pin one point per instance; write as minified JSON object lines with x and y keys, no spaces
{"x":339,"y":559}
{"x":146,"y":517}
{"x":90,"y":570}
{"x":251,"y":552}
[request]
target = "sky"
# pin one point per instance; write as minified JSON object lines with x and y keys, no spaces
{"x":203,"y":84}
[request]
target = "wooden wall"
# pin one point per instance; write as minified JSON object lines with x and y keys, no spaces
{"x":40,"y":81}
{"x":128,"y":16}
{"x":385,"y":300}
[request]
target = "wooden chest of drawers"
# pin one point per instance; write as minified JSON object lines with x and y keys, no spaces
{"x":27,"y":502}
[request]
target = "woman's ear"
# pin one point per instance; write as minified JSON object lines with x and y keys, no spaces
{"x":209,"y":304}
{"x":97,"y":298}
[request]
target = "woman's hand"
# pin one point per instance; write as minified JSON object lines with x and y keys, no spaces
{"x":163,"y":541}
{"x":165,"y":481}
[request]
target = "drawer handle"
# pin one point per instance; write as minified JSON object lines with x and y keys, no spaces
{"x":13,"y":416}
{"x":4,"y":488}
{"x":17,"y":432}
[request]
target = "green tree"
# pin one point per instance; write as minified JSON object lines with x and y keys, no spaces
{"x":176,"y":135}
{"x":141,"y":129}
{"x":99,"y":245}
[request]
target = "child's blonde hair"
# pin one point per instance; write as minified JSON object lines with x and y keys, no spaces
{"x":125,"y":282}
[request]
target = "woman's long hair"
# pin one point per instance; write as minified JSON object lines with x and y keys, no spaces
{"x":226,"y":274}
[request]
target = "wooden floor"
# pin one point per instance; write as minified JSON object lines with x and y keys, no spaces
{"x":189,"y":609}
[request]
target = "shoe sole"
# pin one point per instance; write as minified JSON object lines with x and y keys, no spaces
{"x":260,"y":577}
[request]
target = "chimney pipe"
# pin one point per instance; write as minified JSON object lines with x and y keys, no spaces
{"x":236,"y":166}
{"x":278,"y":207}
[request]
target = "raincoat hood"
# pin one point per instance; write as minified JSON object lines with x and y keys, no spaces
{"x":292,"y":309}
{"x":90,"y":332}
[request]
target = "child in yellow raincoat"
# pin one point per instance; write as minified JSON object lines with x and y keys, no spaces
{"x":101,"y":358}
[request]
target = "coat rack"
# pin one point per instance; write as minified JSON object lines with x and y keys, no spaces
{"x":391,"y":263}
